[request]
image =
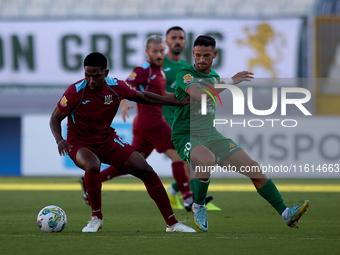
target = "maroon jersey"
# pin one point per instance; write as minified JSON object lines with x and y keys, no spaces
{"x":152,"y":79}
{"x":90,"y":113}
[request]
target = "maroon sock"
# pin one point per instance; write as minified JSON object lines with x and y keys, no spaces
{"x":94,"y":190}
{"x":110,"y":173}
{"x":181,"y":179}
{"x":157,"y":192}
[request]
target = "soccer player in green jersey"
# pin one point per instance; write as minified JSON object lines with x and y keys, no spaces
{"x":201,"y":145}
{"x":176,"y":40}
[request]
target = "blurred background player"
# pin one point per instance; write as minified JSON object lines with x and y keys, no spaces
{"x":90,"y":105}
{"x":198,"y":141}
{"x":150,"y":131}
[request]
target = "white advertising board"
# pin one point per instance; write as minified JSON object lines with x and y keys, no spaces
{"x":52,"y":52}
{"x":309,"y":150}
{"x":40,"y":155}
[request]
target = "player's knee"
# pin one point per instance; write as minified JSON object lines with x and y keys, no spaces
{"x":208,"y":161}
{"x":204,"y":160}
{"x":91,"y":168}
{"x":146,"y":172}
{"x":149,"y":170}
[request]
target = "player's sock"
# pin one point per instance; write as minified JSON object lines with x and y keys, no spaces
{"x":94,"y":190}
{"x":172,"y":191}
{"x":157,"y":192}
{"x":201,"y":189}
{"x":110,"y":173}
{"x":181,"y":179}
{"x":273,"y":196}
{"x":175,"y":187}
{"x":191,"y":183}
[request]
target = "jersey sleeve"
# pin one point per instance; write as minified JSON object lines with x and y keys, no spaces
{"x":68,"y":101}
{"x":184,"y":79}
{"x":126,"y":90}
{"x":137,"y":77}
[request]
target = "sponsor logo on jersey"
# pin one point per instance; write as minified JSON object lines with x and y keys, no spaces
{"x":188,"y":78}
{"x":167,"y":69}
{"x":153,"y":76}
{"x":108,"y":99}
{"x":132,"y":76}
{"x":63,"y":101}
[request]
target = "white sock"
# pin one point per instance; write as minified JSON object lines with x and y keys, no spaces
{"x":172,"y":191}
{"x":197,"y":205}
{"x":285,"y":214}
{"x":188,"y":201}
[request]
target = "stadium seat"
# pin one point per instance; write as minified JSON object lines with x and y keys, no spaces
{"x":35,"y":9}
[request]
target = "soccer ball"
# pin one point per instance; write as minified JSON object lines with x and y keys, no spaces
{"x":52,"y":219}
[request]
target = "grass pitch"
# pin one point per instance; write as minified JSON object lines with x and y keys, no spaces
{"x":247,"y":224}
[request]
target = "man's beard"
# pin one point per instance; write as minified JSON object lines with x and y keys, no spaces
{"x":175,"y":52}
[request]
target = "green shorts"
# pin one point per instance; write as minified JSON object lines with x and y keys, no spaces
{"x":220,"y":146}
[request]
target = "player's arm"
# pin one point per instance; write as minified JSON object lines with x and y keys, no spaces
{"x":196,"y":92}
{"x":170,"y":95}
{"x":55,"y":125}
{"x":236,"y":79}
{"x":150,"y":98}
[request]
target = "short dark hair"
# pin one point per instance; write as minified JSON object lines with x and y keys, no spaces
{"x":95,"y":59}
{"x":205,"y":40}
{"x":177,"y":28}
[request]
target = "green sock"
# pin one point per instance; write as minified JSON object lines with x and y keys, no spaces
{"x":273,"y":196}
{"x":201,"y":190}
{"x":192,"y":186}
{"x":175,"y":186}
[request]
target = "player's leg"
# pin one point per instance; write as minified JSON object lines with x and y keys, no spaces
{"x":124,"y":157}
{"x":264,"y":186}
{"x":173,"y":190}
{"x":160,"y":139}
{"x":105,"y":175}
{"x":141,"y":144}
{"x":201,"y":158}
{"x":180,"y":176}
{"x":110,"y":172}
{"x":90,"y":163}
{"x":137,"y":166}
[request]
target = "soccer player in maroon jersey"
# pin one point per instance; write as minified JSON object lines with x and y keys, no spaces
{"x":90,"y":105}
{"x":150,"y":130}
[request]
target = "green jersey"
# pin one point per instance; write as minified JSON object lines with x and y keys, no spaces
{"x":170,"y":69}
{"x":189,"y":119}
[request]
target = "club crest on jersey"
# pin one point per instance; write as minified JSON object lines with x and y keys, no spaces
{"x":132,"y":76}
{"x":188,"y":78}
{"x":108,"y":99}
{"x":63,"y":101}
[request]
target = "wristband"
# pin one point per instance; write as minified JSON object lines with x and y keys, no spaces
{"x":228,"y":81}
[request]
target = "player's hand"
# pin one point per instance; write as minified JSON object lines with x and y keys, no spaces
{"x":242,"y":76}
{"x":64,"y":147}
{"x":125,"y":111}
